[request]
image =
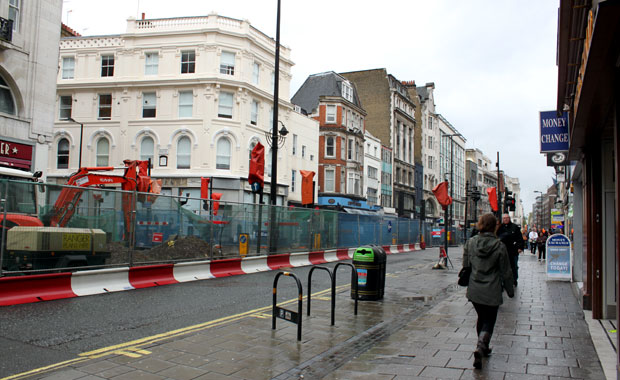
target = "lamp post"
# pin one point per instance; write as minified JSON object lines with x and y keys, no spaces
{"x":81,"y":134}
{"x":275,"y":141}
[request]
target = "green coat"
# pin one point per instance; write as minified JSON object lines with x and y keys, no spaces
{"x":490,"y":272}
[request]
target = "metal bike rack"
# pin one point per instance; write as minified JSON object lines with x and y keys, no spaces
{"x":331,"y":277}
{"x":354,"y":282}
{"x":287,"y":315}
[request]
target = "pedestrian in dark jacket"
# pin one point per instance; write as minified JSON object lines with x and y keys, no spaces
{"x":541,"y":241}
{"x":510,"y":234}
{"x":490,"y":275}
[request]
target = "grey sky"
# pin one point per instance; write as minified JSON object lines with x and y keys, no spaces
{"x":492,"y":61}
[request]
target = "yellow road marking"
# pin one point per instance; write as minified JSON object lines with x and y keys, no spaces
{"x":131,"y":348}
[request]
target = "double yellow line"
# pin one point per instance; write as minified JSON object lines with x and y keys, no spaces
{"x":134,"y":348}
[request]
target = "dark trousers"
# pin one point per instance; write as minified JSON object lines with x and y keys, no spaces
{"x":542,"y":251}
{"x":487,"y":315}
{"x":533,"y":248}
{"x":514,"y":266}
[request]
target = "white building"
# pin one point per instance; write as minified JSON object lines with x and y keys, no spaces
{"x":29,"y":35}
{"x":372,"y":168}
{"x":486,"y":177}
{"x":194,"y":94}
{"x":513,"y":185}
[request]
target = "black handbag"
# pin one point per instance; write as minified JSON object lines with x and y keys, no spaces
{"x":464,"y":276}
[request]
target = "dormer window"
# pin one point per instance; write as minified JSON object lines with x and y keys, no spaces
{"x":347,"y":91}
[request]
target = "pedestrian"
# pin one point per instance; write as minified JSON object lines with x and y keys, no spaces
{"x":524,"y":236}
{"x":542,"y":245}
{"x":510,"y":234}
{"x":533,"y":236}
{"x":490,"y":274}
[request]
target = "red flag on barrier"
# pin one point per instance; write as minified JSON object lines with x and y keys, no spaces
{"x":492,"y":198}
{"x":216,"y":205}
{"x":204,"y":187}
{"x":307,"y":190}
{"x":441,"y":193}
{"x":257,"y":165}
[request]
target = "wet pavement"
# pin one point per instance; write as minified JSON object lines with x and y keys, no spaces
{"x":423,"y":328}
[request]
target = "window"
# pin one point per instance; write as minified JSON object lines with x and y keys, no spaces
{"x":149,"y":104}
{"x":303,"y":151}
{"x":350,"y":150}
{"x":430,"y":142}
{"x":329,"y":146}
{"x":329,"y":180}
{"x":343,"y":148}
{"x":14,"y":13}
{"x":227,"y":63}
{"x":343,"y":118}
{"x":62,"y":159}
{"x":222,"y":160}
{"x":347,"y":91}
{"x":375,"y":151}
{"x":103,"y":152}
{"x":372,"y":196}
{"x":225,"y":105}
{"x":331,"y":114}
{"x":147,"y":149}
{"x":65,"y":107}
{"x":354,"y":184}
{"x":68,"y":67}
{"x":372,"y":172}
{"x":268,"y":163}
{"x":186,"y":101}
{"x":7,"y":104}
{"x":293,"y":175}
{"x":188,"y":62}
{"x":105,"y":106}
{"x":252,"y":145}
{"x":273,"y":80}
{"x":107,"y":65}
{"x":183,"y":153}
{"x":430,"y":162}
{"x":151,"y":63}
{"x":255,"y":73}
{"x":294,"y":144}
{"x":430,"y":122}
{"x":254,"y":113}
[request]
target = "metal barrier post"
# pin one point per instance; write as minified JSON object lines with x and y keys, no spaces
{"x":355,"y":282}
{"x":287,"y":315}
{"x":331,"y":277}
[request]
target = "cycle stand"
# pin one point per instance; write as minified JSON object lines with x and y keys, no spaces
{"x":354,"y":282}
{"x":333,"y":292}
{"x":287,"y":315}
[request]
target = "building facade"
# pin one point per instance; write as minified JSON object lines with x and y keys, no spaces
{"x":372,"y":168}
{"x":484,"y":178}
{"x":452,"y":167}
{"x":29,"y":35}
{"x":391,"y":118}
{"x":333,"y":101}
{"x":430,"y":151}
{"x":193,"y":94}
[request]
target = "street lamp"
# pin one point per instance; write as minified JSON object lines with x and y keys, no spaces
{"x":81,"y":134}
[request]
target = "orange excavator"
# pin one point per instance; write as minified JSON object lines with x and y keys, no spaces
{"x":135,"y":178}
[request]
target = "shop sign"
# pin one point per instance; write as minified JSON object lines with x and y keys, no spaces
{"x":15,"y":155}
{"x":558,"y":257}
{"x":553,"y":132}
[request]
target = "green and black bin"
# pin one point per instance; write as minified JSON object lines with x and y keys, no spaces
{"x":369,"y":262}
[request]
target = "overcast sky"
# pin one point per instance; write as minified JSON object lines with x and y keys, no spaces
{"x":492,"y":61}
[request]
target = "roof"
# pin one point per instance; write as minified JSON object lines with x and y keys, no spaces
{"x":322,"y":84}
{"x":422,"y":93}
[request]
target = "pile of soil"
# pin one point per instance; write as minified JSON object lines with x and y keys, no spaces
{"x":174,"y":249}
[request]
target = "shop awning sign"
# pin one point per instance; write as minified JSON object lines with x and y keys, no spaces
{"x":553,"y":132}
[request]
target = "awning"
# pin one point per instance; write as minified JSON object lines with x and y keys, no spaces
{"x":361,"y":212}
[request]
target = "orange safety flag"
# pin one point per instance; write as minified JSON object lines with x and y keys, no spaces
{"x":216,"y":205}
{"x":307,"y":190}
{"x":204,"y":187}
{"x":492,"y":198}
{"x":257,"y":165}
{"x":441,"y":193}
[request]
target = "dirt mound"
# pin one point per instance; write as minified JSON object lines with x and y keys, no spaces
{"x":174,"y":249}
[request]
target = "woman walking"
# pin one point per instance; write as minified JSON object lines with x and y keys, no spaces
{"x":490,"y":275}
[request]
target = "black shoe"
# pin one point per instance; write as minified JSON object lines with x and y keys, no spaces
{"x":478,"y":359}
{"x":515,"y":284}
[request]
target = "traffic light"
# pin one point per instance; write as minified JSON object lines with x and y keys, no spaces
{"x":510,"y":203}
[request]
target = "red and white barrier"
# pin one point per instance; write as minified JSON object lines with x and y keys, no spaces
{"x":45,"y":287}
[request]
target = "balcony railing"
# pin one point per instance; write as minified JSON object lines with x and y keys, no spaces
{"x":6,"y":29}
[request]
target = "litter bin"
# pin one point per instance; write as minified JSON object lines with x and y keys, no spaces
{"x":369,"y":262}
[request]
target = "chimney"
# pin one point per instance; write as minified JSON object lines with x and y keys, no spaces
{"x":143,"y":15}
